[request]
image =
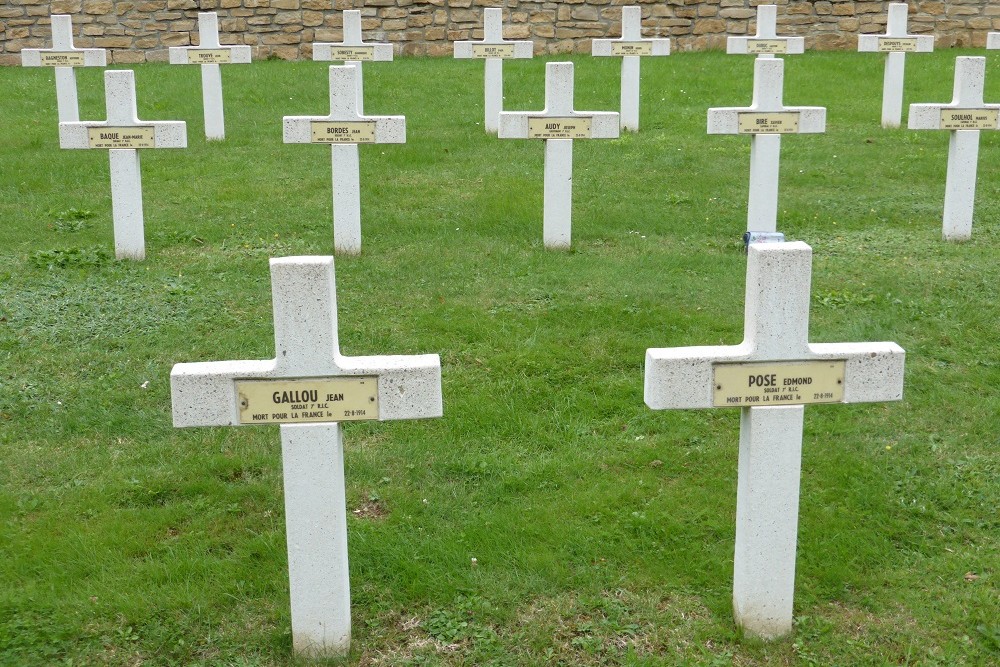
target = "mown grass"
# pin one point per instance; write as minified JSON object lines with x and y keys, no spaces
{"x":602,"y":532}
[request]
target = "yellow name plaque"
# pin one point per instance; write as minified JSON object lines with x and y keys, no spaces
{"x":969,"y":119}
{"x":631,"y":49}
{"x":492,"y":50}
{"x":559,"y":128}
{"x":62,"y":59}
{"x":897,"y":44}
{"x":352,"y":53}
{"x":209,"y":56}
{"x":777,"y":383}
{"x":343,"y":132}
{"x":351,"y":398}
{"x":776,"y":122}
{"x":121,"y":137}
{"x":767,"y":46}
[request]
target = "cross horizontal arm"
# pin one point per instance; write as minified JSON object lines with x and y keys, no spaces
{"x":682,"y":378}
{"x":166,"y":133}
{"x":658,"y":46}
{"x":920,"y":43}
{"x":515,"y":124}
{"x":204,"y":393}
{"x":91,"y":57}
{"x":993,"y":40}
{"x":522,"y":48}
{"x":388,"y":129}
{"x":726,"y":120}
{"x":741,"y":45}
{"x":181,"y":55}
{"x":326,"y":51}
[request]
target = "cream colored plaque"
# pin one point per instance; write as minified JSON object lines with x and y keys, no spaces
{"x":969,"y":119}
{"x":62,"y":59}
{"x":767,"y":46}
{"x":559,"y":128}
{"x":775,"y":122}
{"x":897,"y":44}
{"x":492,"y":50}
{"x":352,"y":53}
{"x":777,"y":383}
{"x":631,"y":48}
{"x":340,"y":399}
{"x":121,"y":137}
{"x":209,"y":56}
{"x":343,"y":132}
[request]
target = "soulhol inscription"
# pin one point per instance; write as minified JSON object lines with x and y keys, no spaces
{"x":778,"y":383}
{"x":308,"y":400}
{"x":209,"y":56}
{"x":62,"y":59}
{"x":558,"y":128}
{"x":762,"y":46}
{"x":969,"y":119}
{"x":343,"y":132}
{"x":352,"y":53}
{"x":780,"y":122}
{"x":492,"y":50}
{"x":121,"y":137}
{"x":897,"y":44}
{"x":631,"y":49}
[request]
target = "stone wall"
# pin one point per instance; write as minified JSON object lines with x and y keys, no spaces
{"x":141,"y":30}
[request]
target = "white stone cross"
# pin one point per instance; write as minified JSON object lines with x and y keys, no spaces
{"x":353,"y":50}
{"x":895,"y":43}
{"x":771,"y":375}
{"x":630,"y":46}
{"x":343,"y":129}
{"x":558,"y":124}
{"x":765,"y":120}
{"x":210,"y":54}
{"x":494,"y":49}
{"x":122,"y":133}
{"x":308,"y":388}
{"x":993,"y":40}
{"x":766,"y":42}
{"x":63,"y":56}
{"x":965,"y":116}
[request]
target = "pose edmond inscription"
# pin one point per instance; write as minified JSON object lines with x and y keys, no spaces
{"x":343,"y":129}
{"x":558,"y":124}
{"x":63,"y":56}
{"x":765,"y":120}
{"x":210,"y":54}
{"x":494,"y":49}
{"x":308,"y":388}
{"x":771,"y":375}
{"x":122,"y":134}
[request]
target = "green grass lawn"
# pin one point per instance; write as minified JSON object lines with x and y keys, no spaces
{"x":602,"y":531}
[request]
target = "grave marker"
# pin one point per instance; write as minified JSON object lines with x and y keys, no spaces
{"x":494,"y":49}
{"x":765,"y":120}
{"x":309,"y":388}
{"x":766,"y":42}
{"x":771,"y":375}
{"x":353,"y":50}
{"x":63,"y":56}
{"x":630,"y":47}
{"x":964,"y":117}
{"x":993,"y":40}
{"x":343,"y":129}
{"x":558,"y":124}
{"x":210,"y":54}
{"x":122,"y":134}
{"x":895,"y":43}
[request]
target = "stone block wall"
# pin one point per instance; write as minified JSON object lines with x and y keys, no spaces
{"x":141,"y":30}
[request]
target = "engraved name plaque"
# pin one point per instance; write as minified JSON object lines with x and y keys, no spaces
{"x":352,"y":53}
{"x":492,"y":50}
{"x":897,"y":44}
{"x":62,"y":59}
{"x":631,"y":49}
{"x":308,"y":400}
{"x":767,"y":46}
{"x":121,"y":137}
{"x":209,"y":56}
{"x":778,"y":122}
{"x":343,"y":132}
{"x":777,"y":383}
{"x":969,"y":119}
{"x":559,"y":128}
